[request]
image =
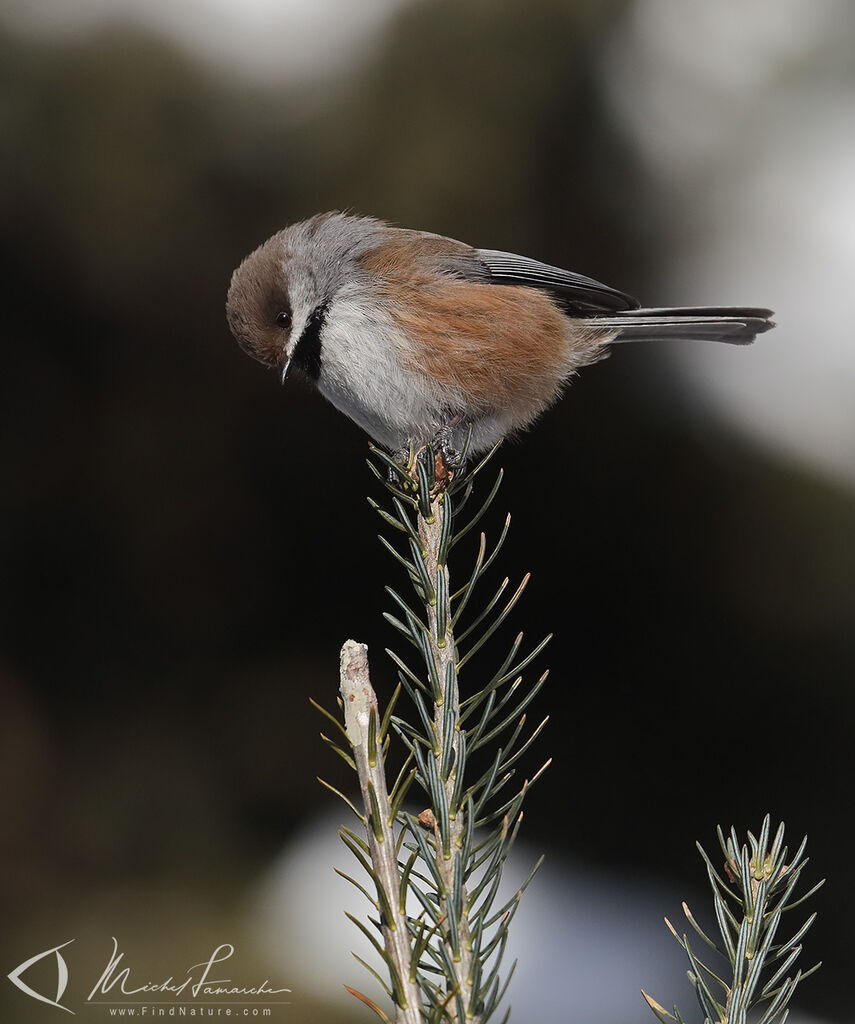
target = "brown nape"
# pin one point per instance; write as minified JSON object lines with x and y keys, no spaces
{"x":256,"y":294}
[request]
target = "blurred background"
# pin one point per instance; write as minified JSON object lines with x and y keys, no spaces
{"x":172,"y":521}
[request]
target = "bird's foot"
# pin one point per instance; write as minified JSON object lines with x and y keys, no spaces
{"x":405,"y":457}
{"x":448,"y":458}
{"x":447,"y":461}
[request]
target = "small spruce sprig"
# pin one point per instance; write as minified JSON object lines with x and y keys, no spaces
{"x":436,"y":875}
{"x":749,"y":907}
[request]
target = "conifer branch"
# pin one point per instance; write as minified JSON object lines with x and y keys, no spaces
{"x":437,"y":879}
{"x":748,"y":913}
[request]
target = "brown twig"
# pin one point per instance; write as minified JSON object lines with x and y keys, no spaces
{"x":362,"y":723}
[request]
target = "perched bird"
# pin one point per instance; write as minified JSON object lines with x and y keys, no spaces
{"x":416,"y":337}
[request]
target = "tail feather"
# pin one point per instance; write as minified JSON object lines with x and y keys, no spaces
{"x":734,"y":325}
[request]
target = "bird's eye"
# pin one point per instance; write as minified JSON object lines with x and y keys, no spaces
{"x":283,"y":320}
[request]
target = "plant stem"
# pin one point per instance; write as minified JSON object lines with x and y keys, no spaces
{"x":449,"y":850}
{"x":363,"y":726}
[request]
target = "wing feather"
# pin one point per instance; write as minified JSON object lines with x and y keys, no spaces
{"x":575,"y":292}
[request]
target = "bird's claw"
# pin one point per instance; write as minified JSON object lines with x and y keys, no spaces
{"x":448,"y":459}
{"x":405,"y":457}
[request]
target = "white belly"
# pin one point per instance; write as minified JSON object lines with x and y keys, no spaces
{"x":364,"y":376}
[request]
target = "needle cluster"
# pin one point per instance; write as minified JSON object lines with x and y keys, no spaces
{"x":441,"y":924}
{"x":760,"y":974}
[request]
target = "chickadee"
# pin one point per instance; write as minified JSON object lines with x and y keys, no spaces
{"x":415,"y":336}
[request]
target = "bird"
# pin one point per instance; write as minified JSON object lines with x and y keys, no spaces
{"x":425,"y":340}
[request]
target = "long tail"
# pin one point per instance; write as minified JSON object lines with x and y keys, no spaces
{"x":734,"y":325}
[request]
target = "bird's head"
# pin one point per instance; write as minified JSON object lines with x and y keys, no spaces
{"x":273,"y":297}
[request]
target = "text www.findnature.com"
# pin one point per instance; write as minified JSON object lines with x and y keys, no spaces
{"x":189,"y":1011}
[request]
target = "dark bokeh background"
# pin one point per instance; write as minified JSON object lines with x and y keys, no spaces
{"x":185,"y":545}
